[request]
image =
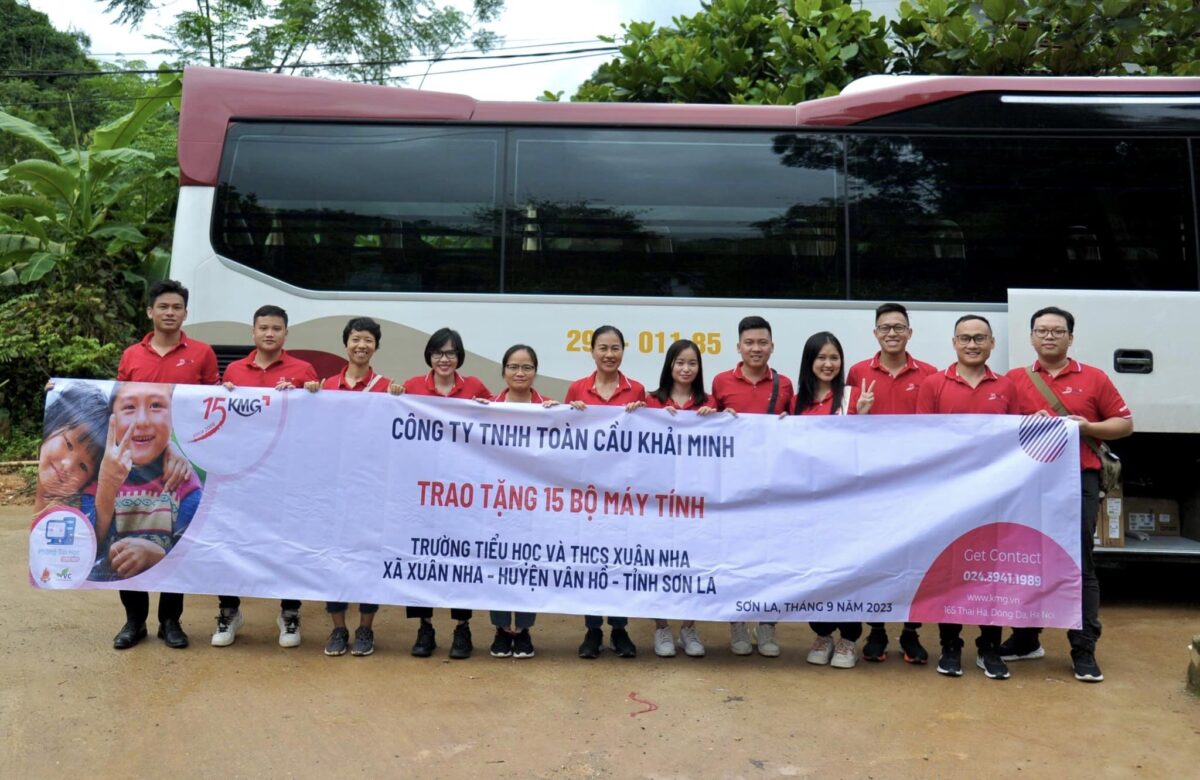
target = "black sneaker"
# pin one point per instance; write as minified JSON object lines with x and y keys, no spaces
{"x":1021,"y":647}
{"x":593,"y":641}
{"x":502,"y":645}
{"x":992,"y":665}
{"x":951,"y":662}
{"x":875,"y":648}
{"x":622,"y":645}
{"x":1086,"y":668}
{"x":914,"y":653}
{"x":426,"y":641}
{"x":461,"y":647}
{"x":522,"y":645}
{"x":364,"y":641}
{"x":338,"y":639}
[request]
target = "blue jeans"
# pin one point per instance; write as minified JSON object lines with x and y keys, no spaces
{"x":521,"y":620}
{"x":596,"y":621}
{"x":334,"y":607}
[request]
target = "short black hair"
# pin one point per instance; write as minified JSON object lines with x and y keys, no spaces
{"x":1066,"y":315}
{"x":164,"y":286}
{"x":270,"y":311}
{"x":753,"y":322}
{"x":888,"y":308}
{"x":979,"y":317}
{"x":440,"y":337}
{"x":365,"y":324}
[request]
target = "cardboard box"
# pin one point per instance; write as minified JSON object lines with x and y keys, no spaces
{"x":1152,"y":516}
{"x":1110,"y":526}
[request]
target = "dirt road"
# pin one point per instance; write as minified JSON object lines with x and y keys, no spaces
{"x":71,"y":706}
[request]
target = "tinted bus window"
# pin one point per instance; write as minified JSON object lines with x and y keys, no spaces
{"x":362,"y":207}
{"x":675,"y":213}
{"x":966,"y":218}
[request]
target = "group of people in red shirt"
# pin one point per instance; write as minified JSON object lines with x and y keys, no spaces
{"x":891,"y":382}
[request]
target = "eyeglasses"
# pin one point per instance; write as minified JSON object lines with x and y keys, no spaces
{"x":978,"y":338}
{"x":883,"y":330}
{"x":444,"y":355}
{"x":1057,"y":333}
{"x":520,"y":368}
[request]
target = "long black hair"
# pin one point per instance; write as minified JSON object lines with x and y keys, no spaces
{"x":666,"y":382}
{"x":806,"y":385}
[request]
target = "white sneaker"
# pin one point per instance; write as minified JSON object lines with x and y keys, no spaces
{"x":289,"y":629}
{"x":767,"y":646}
{"x":845,"y":654}
{"x":689,"y":640}
{"x":228,"y":623}
{"x":739,"y":639}
{"x":822,"y":651}
{"x":664,"y":643}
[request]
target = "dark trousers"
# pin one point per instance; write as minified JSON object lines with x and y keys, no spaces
{"x":334,"y":607}
{"x":596,"y":621}
{"x":950,"y":635}
{"x":907,"y":626}
{"x":1081,"y":639}
{"x":427,"y":612}
{"x":234,"y":602}
{"x":137,"y":606}
{"x":849,"y":631}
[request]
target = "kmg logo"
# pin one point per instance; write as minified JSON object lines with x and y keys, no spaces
{"x":217,"y":410}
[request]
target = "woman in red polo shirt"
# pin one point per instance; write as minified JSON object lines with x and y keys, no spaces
{"x":606,"y":387}
{"x":680,"y":387}
{"x":519,"y":368}
{"x":444,"y":354}
{"x":822,"y":389}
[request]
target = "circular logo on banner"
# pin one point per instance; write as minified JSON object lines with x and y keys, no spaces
{"x":62,"y":548}
{"x":1043,"y":438}
{"x":227,"y":433}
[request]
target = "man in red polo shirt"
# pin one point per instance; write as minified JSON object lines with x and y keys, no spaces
{"x":969,"y":387}
{"x":753,"y":387}
{"x":165,"y":355}
{"x":268,"y":365}
{"x":896,"y":375}
{"x":1089,"y":398}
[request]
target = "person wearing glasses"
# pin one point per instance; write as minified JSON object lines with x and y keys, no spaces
{"x":444,"y":354}
{"x":606,"y":386}
{"x":519,"y":368}
{"x":897,"y":376}
{"x":1086,"y":395}
{"x":968,"y":386}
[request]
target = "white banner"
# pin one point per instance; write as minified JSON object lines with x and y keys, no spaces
{"x":401,"y":500}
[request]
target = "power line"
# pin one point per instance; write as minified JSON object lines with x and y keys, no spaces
{"x":363,"y":63}
{"x":44,"y":103}
{"x":452,"y":51}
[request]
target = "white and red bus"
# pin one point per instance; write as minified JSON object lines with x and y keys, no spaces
{"x":538,"y":222}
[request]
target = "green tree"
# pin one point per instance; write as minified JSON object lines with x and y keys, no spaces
{"x":744,"y":51}
{"x":1056,"y":37}
{"x":280,"y":35}
{"x":81,"y":231}
{"x":786,"y":51}
{"x":30,"y":44}
{"x":60,"y":211}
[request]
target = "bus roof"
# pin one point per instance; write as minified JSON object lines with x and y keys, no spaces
{"x":213,"y":97}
